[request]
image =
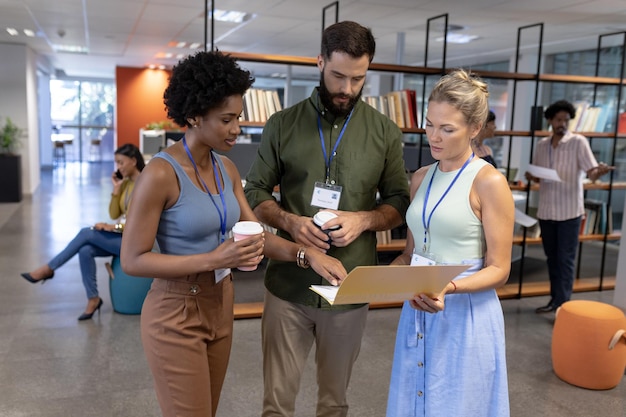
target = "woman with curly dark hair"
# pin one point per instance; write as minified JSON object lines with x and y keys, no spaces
{"x":188,"y":199}
{"x":101,"y":239}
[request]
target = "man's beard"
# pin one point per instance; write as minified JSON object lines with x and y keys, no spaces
{"x":341,"y":110}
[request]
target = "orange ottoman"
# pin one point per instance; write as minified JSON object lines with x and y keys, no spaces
{"x":589,"y":344}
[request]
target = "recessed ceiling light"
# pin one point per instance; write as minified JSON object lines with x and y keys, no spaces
{"x":458,"y":38}
{"x":75,"y":49}
{"x":29,"y":33}
{"x":13,"y":31}
{"x":195,"y":45}
{"x":231,"y":16}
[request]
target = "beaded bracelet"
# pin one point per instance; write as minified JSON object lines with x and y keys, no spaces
{"x":454,"y":285}
{"x":301,"y":260}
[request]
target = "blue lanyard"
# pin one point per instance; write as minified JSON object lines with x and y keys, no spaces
{"x":426,"y":222}
{"x":219,"y":187}
{"x":327,"y":159}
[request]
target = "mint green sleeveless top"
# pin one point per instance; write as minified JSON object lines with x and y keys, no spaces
{"x":455,"y":234}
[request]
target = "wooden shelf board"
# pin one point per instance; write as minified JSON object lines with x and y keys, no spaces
{"x":505,"y":75}
{"x":544,"y":133}
{"x":396,"y":245}
{"x":533,"y":289}
{"x":312,"y":61}
{"x":587,"y":186}
{"x":581,"y":79}
{"x":517,"y":240}
{"x":248,"y":310}
{"x":255,"y":310}
{"x":508,"y":291}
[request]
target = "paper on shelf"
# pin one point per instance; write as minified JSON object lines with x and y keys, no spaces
{"x":524,"y":219}
{"x":543,"y":172}
{"x":389,"y":283}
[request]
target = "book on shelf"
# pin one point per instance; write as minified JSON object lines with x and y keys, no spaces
{"x":260,"y":104}
{"x":409,"y":102}
{"x":400,"y":106}
{"x":395,"y":108}
{"x":596,"y":218}
{"x":383,"y":237}
{"x":260,"y":96}
{"x":590,"y":118}
{"x":574,"y":122}
{"x":621,"y":123}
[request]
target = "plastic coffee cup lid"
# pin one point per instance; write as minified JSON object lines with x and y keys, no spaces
{"x":322,"y":217}
{"x":247,"y":228}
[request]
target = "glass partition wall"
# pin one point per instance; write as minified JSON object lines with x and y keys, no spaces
{"x":82,"y":114}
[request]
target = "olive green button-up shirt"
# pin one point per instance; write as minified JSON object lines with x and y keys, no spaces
{"x":368,"y":159}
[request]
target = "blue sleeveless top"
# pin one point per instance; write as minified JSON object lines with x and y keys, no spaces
{"x":192,"y":224}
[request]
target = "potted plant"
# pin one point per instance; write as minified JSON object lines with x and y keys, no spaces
{"x":10,"y":162}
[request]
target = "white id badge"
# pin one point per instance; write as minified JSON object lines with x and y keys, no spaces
{"x":326,"y":195}
{"x":421,"y":259}
{"x":220,"y":274}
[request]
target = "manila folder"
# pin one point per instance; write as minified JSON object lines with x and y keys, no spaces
{"x":389,"y":283}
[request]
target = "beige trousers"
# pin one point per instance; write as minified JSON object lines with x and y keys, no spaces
{"x":288,"y":333}
{"x":186,"y":330}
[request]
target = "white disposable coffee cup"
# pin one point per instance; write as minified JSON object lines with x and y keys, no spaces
{"x":321,"y":217}
{"x":243,"y":230}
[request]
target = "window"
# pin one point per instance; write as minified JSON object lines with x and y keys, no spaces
{"x":82,"y":117}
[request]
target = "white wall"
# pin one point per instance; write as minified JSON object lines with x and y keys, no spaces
{"x":18,"y":100}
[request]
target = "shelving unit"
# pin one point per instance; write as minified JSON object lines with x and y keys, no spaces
{"x":596,"y":81}
{"x":510,"y":290}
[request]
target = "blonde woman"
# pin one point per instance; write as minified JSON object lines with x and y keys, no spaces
{"x":449,"y":357}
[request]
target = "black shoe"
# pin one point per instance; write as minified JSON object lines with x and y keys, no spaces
{"x":87,"y":316}
{"x":545,"y":309}
{"x":28,"y":277}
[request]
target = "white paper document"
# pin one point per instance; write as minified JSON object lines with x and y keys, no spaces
{"x":544,"y":173}
{"x":389,"y":283}
{"x":524,"y":219}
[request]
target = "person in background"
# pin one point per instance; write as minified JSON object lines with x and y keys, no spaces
{"x":101,"y":239}
{"x":188,"y":199}
{"x":330,"y":152}
{"x":561,"y":204}
{"x":450,"y":356}
{"x":488,"y":131}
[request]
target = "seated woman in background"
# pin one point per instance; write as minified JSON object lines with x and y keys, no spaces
{"x":480,"y":149}
{"x":102,"y":239}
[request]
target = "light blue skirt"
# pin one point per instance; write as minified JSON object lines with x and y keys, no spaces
{"x":452,"y":363}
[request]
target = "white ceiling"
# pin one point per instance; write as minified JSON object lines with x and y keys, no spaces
{"x":133,"y":32}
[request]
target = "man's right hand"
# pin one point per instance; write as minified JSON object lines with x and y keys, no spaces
{"x":304,"y":231}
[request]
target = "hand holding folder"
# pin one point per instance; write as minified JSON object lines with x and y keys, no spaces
{"x":389,"y":283}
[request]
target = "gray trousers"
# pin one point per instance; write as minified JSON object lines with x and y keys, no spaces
{"x":288,"y":333}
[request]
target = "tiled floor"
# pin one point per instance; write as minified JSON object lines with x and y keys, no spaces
{"x":52,"y":365}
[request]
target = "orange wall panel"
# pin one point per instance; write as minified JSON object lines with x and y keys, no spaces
{"x":139,"y":101}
